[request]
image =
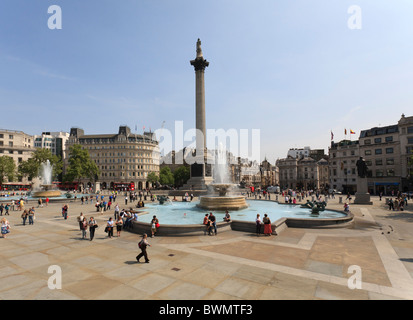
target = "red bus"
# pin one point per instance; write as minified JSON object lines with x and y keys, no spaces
{"x":67,"y":185}
{"x":123,"y":186}
{"x":15,"y":186}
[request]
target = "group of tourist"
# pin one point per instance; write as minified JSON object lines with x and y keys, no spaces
{"x":210,"y":223}
{"x":398,"y":204}
{"x":28,"y":213}
{"x":266,"y":221}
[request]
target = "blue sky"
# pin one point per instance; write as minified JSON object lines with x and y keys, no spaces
{"x":292,"y":69}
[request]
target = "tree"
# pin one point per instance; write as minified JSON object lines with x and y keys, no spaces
{"x":181,"y":175}
{"x":31,"y":167}
{"x":80,"y":165}
{"x":166,"y":176}
{"x":152,"y":178}
{"x":7,"y":168}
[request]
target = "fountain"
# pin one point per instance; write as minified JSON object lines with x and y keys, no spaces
{"x":220,"y":195}
{"x":47,"y":189}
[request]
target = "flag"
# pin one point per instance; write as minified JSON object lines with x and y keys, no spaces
{"x":352,"y":132}
{"x":345,"y":131}
{"x":332,"y":135}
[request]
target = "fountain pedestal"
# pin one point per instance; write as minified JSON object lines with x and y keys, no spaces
{"x":222,"y":201}
{"x":48,"y":191}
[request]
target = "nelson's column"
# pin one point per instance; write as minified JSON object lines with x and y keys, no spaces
{"x":201,"y":172}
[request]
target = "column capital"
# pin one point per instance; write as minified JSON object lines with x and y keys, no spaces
{"x":199,"y":64}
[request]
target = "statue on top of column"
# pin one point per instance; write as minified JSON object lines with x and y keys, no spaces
{"x":198,"y":49}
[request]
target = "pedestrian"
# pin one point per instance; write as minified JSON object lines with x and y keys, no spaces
{"x":31,"y":216}
{"x":24,"y":216}
{"x":92,"y":227}
{"x":258,"y":225}
{"x":80,"y":219}
{"x":267,"y":225}
{"x":143,"y":244}
{"x":5,"y":227}
{"x":206,"y":223}
{"x":119,"y":223}
{"x":83,"y":226}
{"x":116,"y":211}
{"x":64,"y":211}
{"x":227,"y":217}
{"x":7,"y":208}
{"x":213,"y":222}
{"x":47,"y":202}
{"x":154,"y":225}
{"x":109,"y":228}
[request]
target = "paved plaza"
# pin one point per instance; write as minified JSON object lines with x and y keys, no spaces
{"x":302,"y":264}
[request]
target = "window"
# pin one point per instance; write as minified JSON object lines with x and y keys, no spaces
{"x":367,"y":141}
{"x":389,"y":150}
{"x":378,"y":151}
{"x":390,"y":172}
{"x":11,"y":144}
{"x":10,"y":136}
{"x":379,"y":173}
{"x":409,"y":129}
{"x":368,"y":163}
{"x":409,"y":140}
{"x":389,"y":139}
{"x":367,"y":152}
{"x":390,"y":161}
{"x":379,"y":162}
{"x":377,"y":140}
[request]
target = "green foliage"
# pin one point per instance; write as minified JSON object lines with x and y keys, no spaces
{"x":80,"y":165}
{"x":166,"y":176}
{"x":152,"y":178}
{"x":7,"y":168}
{"x":31,"y":167}
{"x":181,"y":175}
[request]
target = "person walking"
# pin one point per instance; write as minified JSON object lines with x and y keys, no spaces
{"x":258,"y":225}
{"x":83,"y":226}
{"x":267,"y":225}
{"x":24,"y":216}
{"x":119,"y":223}
{"x":31,"y":216}
{"x":109,"y":227}
{"x":5,"y":227}
{"x":64,"y":211}
{"x":92,"y":227}
{"x":80,"y":219}
{"x":143,"y":244}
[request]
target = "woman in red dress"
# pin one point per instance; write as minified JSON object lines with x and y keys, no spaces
{"x":267,"y":225}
